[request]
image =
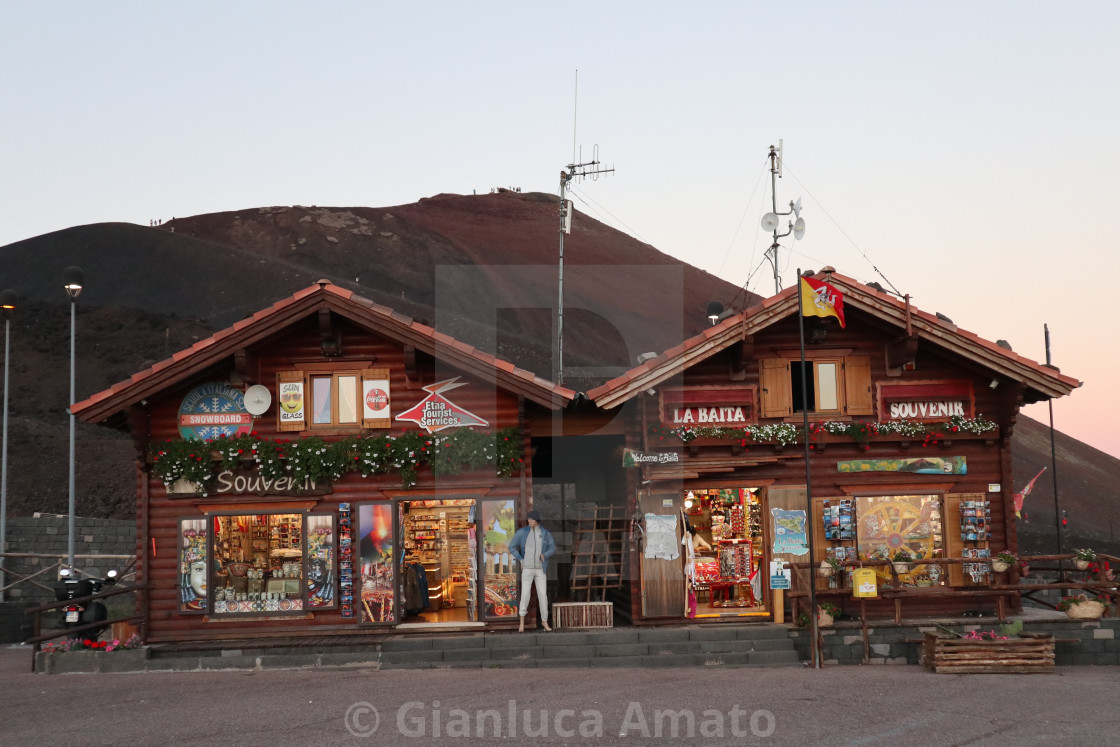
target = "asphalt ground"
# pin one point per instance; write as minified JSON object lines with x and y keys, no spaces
{"x":864,"y":705}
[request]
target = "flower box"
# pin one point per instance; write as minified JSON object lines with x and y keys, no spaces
{"x":89,"y":661}
{"x":1023,"y":654}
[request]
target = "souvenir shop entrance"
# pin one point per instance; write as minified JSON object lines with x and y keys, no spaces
{"x":724,"y":552}
{"x":437,"y":561}
{"x":437,"y":577}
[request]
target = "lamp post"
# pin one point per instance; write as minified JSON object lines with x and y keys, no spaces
{"x":73,"y":277}
{"x":7,"y":304}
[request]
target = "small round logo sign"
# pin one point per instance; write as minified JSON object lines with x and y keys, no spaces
{"x":377,"y":399}
{"x":214,"y":410}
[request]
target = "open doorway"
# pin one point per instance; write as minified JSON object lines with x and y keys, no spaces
{"x":439,"y":567}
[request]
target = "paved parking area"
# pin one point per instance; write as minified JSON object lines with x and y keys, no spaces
{"x":835,"y":705}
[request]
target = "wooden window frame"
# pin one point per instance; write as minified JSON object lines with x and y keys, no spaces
{"x":853,"y":385}
{"x":308,"y":373}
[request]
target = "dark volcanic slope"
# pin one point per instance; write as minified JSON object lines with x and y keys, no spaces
{"x":481,"y":268}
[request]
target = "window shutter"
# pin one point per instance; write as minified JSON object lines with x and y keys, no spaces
{"x":376,"y":403}
{"x":857,"y":385}
{"x":291,"y":415}
{"x":776,"y":396}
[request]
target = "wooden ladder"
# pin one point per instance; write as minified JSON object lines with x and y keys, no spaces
{"x":597,"y":558}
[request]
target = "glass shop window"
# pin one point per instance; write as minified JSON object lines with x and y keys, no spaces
{"x":259,"y":563}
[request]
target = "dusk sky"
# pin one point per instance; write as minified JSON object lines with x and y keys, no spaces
{"x":962,"y":152}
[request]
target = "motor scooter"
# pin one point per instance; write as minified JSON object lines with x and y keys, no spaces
{"x":70,"y":586}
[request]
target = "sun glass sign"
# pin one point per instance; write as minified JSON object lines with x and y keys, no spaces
{"x":291,"y":401}
{"x":212,"y":411}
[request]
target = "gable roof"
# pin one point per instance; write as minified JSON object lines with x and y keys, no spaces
{"x":284,"y":313}
{"x":1041,"y":381}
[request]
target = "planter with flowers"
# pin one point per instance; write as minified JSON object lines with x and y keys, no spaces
{"x":827,"y":612}
{"x":1082,"y":607}
{"x":901,"y":561}
{"x":1003,"y":561}
{"x":988,"y":652}
{"x":1083,"y":557}
{"x":828,"y":567}
{"x":87,"y":655}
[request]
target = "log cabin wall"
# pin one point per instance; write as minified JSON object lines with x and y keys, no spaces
{"x":158,"y":513}
{"x":710,"y":462}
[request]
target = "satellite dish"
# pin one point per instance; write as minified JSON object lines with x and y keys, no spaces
{"x":799,"y":228}
{"x":796,"y":206}
{"x":257,"y":399}
{"x":769,"y":222}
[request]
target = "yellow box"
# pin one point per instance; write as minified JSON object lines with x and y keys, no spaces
{"x":864,"y":583}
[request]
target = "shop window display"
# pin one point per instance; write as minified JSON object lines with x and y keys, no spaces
{"x":375,"y":545}
{"x":723,"y":551}
{"x":258,"y":563}
{"x":902,"y":526}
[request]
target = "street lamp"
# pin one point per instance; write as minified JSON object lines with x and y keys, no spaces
{"x":7,"y":305}
{"x":73,"y":277}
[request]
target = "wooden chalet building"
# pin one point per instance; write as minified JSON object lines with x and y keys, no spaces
{"x":293,"y":468}
{"x":314,"y":467}
{"x":910,"y":453}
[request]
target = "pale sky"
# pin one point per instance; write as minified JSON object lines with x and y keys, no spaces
{"x":968,"y":150}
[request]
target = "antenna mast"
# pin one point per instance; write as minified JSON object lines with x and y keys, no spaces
{"x":574,"y":171}
{"x":770,"y":221}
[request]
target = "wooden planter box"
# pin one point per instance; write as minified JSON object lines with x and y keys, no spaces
{"x":583,"y":615}
{"x":1025,"y":654}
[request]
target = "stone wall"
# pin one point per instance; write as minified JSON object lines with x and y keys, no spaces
{"x":1084,"y":642}
{"x":48,"y":536}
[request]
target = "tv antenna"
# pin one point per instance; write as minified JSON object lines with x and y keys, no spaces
{"x":573,"y":171}
{"x":771,"y":222}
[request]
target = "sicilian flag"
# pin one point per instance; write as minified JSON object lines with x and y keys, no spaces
{"x":818,"y":298}
{"x":1019,"y":497}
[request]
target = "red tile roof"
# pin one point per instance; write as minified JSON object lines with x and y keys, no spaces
{"x":122,"y":395}
{"x":1045,"y":380}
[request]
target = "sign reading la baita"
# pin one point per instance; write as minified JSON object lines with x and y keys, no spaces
{"x":714,"y":406}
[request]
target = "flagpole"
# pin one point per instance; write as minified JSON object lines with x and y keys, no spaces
{"x":814,"y":647}
{"x":1054,"y":465}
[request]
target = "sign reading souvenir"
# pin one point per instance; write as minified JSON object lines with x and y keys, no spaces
{"x":716,"y":406}
{"x":212,"y":411}
{"x":634,"y":458}
{"x":919,"y":465}
{"x":291,"y":401}
{"x":789,"y":531}
{"x":436,"y":412}
{"x":928,"y":400}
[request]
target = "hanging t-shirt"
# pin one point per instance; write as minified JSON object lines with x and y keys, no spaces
{"x":661,"y":537}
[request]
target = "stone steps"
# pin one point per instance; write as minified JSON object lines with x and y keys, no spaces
{"x":757,"y":645}
{"x":698,"y":646}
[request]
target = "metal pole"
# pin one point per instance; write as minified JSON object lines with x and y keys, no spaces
{"x":1054,"y":458}
{"x":564,"y":177}
{"x":4,"y":467}
{"x":814,"y":648}
{"x":774,"y":205}
{"x":70,"y":524}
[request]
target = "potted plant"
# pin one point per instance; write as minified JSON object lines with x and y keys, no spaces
{"x":1003,"y":561}
{"x":826,"y":614}
{"x":901,"y":560}
{"x":1083,"y":557}
{"x":828,"y":567}
{"x":1082,"y":607}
